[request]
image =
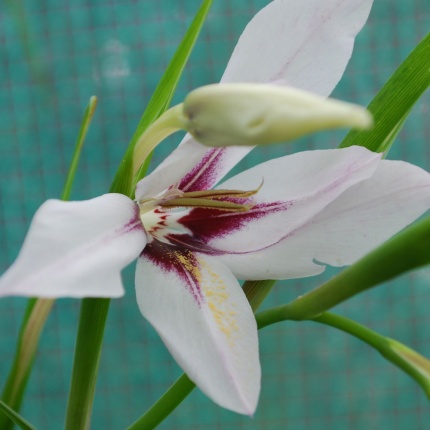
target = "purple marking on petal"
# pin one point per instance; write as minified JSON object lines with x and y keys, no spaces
{"x":208,"y":223}
{"x":204,"y":174}
{"x":179,"y":260}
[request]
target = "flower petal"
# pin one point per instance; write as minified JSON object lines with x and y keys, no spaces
{"x":362,"y":218}
{"x":302,"y":44}
{"x":77,"y":249}
{"x":201,"y":313}
{"x":295,"y":188}
{"x":305,"y":45}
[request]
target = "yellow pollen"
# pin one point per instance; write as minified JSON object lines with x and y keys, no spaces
{"x":219,"y":304}
{"x":184,"y":257}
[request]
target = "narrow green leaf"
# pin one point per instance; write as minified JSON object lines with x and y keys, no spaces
{"x":160,"y":100}
{"x":165,"y":405}
{"x":407,"y":251}
{"x":85,"y":124}
{"x":15,"y":417}
{"x":394,"y":101}
{"x":16,"y":382}
{"x":92,"y":321}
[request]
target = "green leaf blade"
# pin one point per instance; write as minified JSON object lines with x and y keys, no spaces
{"x":85,"y":124}
{"x":15,"y":417}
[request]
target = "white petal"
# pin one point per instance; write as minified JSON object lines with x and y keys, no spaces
{"x":201,"y":313}
{"x":77,"y":249}
{"x":305,"y":44}
{"x":295,"y":189}
{"x":362,"y":218}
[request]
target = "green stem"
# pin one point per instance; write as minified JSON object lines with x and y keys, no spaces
{"x":165,"y":405}
{"x":88,"y":347}
{"x":256,"y":292}
{"x":408,"y":360}
{"x":37,"y":310}
{"x":165,"y":125}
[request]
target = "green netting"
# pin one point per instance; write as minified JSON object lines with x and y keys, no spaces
{"x":53,"y":57}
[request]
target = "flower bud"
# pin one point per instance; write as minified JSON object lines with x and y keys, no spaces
{"x":256,"y":114}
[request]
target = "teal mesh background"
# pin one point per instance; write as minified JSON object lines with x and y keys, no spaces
{"x":53,"y":57}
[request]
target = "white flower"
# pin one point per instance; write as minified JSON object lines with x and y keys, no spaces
{"x":306,"y":210}
{"x":314,"y":208}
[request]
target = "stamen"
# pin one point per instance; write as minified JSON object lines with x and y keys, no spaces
{"x":214,"y":194}
{"x":174,"y":198}
{"x":205,"y":203}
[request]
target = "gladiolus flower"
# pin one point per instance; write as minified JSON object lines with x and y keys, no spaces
{"x":285,"y":218}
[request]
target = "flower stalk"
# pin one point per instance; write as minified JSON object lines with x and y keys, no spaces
{"x":168,"y":123}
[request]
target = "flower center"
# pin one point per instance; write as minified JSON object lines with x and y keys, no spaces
{"x":160,"y":215}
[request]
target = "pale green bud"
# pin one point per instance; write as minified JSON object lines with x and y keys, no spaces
{"x":256,"y":114}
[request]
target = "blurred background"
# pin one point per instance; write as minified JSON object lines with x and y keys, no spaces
{"x":53,"y":57}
